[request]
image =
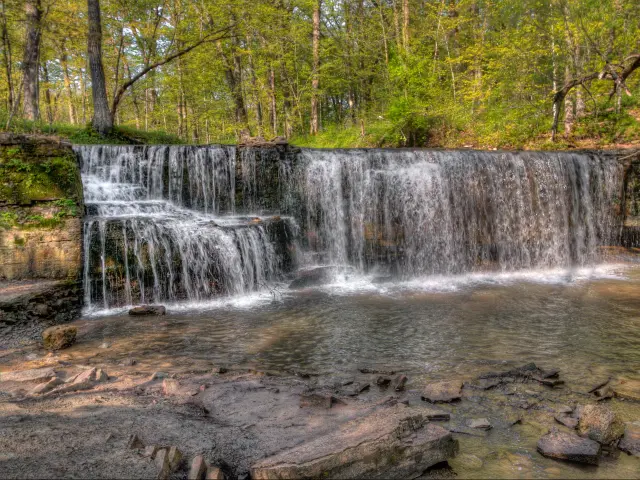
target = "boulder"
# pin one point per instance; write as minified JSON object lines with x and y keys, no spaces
{"x":198,"y":468}
{"x":59,"y":337}
{"x":142,"y":310}
{"x":630,"y":442}
{"x":570,"y":447}
{"x":395,"y":442}
{"x":34,"y":375}
{"x":599,"y":423}
{"x":442,"y":391}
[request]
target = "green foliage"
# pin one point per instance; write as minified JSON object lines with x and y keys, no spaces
{"x":475,"y":73}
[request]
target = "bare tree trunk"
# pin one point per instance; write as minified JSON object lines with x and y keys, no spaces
{"x":47,"y":93}
{"x":569,"y":105}
{"x":273,"y":111}
{"x":68,"y":87}
{"x":102,"y":120}
{"x":316,"y":65}
{"x":31,"y":60}
{"x":405,"y":25}
{"x":6,"y":53}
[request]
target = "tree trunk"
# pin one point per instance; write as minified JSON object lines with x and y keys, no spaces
{"x":6,"y":53}
{"x":102,"y":120}
{"x":405,"y":25}
{"x":569,"y":105}
{"x":273,"y":112}
{"x":31,"y":60}
{"x":47,"y":93}
{"x":67,"y":86}
{"x":316,"y":64}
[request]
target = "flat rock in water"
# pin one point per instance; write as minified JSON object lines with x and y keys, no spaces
{"x":141,"y":310}
{"x":442,"y":391}
{"x":480,"y":423}
{"x":599,"y":423}
{"x":566,"y":420}
{"x":34,"y":375}
{"x":59,"y":337}
{"x":395,"y":442}
{"x":630,"y":442}
{"x":566,"y":446}
{"x":628,"y":389}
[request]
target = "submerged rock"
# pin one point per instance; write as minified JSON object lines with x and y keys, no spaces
{"x":393,"y":442}
{"x":313,"y":278}
{"x":566,"y":446}
{"x":59,"y":337}
{"x":630,"y":442}
{"x":628,"y":389}
{"x":141,"y":310}
{"x":566,"y":420}
{"x":480,"y":423}
{"x":442,"y":391}
{"x":599,"y":423}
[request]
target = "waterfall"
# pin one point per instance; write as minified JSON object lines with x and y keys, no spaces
{"x":421,"y":212}
{"x":162,"y":225}
{"x":175,"y":223}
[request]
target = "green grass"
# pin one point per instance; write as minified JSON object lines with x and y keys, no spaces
{"x":76,"y":134}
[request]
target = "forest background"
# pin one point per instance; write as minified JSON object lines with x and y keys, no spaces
{"x":330,"y":73}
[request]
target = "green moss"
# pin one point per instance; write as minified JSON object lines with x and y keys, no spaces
{"x":19,"y":241}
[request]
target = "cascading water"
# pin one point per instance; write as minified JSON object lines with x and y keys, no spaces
{"x":164,"y":223}
{"x":160,"y":227}
{"x":420,"y":212}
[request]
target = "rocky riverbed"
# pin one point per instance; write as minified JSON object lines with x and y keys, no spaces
{"x":108,"y":415}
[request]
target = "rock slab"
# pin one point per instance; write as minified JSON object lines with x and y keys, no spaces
{"x":141,"y":310}
{"x":566,"y":446}
{"x":442,"y":391}
{"x":395,"y":442}
{"x":59,"y":337}
{"x":38,"y":375}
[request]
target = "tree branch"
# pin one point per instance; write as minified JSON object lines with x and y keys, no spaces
{"x":211,"y":37}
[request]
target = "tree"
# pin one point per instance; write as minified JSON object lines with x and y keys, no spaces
{"x":102,"y":120}
{"x":31,"y":59}
{"x":315,"y":122}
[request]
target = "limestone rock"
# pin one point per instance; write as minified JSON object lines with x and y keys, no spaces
{"x":480,"y":423}
{"x":214,"y":473}
{"x":45,"y":387}
{"x":170,"y":386}
{"x":59,"y":337}
{"x":162,"y":463}
{"x":630,"y":443}
{"x":134,"y":442}
{"x":175,"y":457}
{"x":599,"y":423}
{"x":566,"y":446}
{"x":34,"y":375}
{"x":141,"y":310}
{"x":466,"y":461}
{"x":395,"y":442}
{"x":442,"y":391}
{"x":566,"y":420}
{"x":91,"y":375}
{"x":198,"y":468}
{"x":628,"y":389}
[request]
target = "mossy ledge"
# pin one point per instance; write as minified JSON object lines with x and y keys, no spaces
{"x":40,"y":208}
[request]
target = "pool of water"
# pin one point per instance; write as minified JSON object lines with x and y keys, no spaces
{"x":583,"y":320}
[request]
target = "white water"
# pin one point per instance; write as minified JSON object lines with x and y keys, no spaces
{"x":161,"y":227}
{"x":165,"y":223}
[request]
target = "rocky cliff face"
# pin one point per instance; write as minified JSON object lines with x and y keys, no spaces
{"x":41,"y":213}
{"x":40,"y":209}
